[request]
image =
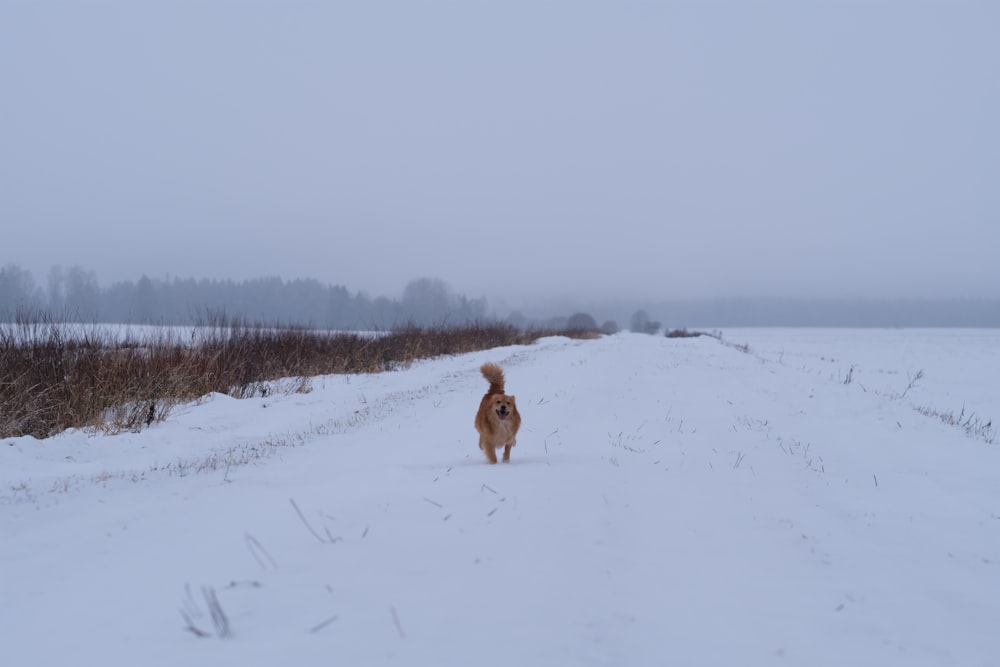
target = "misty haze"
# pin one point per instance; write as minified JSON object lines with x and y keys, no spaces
{"x":776,"y":162}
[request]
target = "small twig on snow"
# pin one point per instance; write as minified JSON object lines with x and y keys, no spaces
{"x":302,"y":516}
{"x":320,"y":626}
{"x":191,"y":627}
{"x":254,"y":546}
{"x":395,"y":621}
{"x":219,"y":618}
{"x":913,"y":381}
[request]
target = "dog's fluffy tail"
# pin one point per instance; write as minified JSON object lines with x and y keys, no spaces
{"x":494,"y":375}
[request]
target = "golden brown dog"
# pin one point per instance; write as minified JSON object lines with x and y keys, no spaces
{"x":498,"y":419}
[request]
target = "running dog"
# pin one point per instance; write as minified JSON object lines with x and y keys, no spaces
{"x":498,"y":419}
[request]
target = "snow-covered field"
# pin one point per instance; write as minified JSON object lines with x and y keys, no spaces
{"x":670,"y":502}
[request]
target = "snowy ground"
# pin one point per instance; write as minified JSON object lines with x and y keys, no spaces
{"x":670,"y":502}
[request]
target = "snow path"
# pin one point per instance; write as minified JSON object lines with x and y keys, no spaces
{"x":669,"y":502}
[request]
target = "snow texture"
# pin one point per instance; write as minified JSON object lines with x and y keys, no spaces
{"x":670,"y":501}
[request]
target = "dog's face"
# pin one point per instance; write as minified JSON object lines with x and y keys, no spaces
{"x":503,"y":406}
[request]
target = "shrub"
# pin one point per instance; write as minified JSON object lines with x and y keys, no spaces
{"x":683,"y":333}
{"x":54,"y":377}
{"x":610,"y":328}
{"x":581,"y":322}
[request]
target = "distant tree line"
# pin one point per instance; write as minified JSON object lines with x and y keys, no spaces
{"x":825,"y":312}
{"x":74,"y":294}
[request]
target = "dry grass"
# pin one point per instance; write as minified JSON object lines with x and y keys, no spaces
{"x":53,"y":377}
{"x":973,"y":425}
{"x":682,"y":333}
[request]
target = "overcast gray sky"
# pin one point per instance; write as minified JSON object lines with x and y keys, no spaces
{"x":646,"y":149}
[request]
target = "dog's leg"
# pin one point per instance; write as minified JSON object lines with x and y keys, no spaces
{"x":491,"y":453}
{"x":506,"y":453}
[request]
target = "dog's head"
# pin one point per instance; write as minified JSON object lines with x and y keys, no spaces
{"x":503,"y":406}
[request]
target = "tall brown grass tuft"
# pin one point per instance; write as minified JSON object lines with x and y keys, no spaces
{"x":54,"y":376}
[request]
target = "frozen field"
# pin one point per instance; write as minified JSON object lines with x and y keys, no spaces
{"x":670,"y":502}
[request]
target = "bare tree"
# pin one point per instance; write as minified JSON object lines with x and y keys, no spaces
{"x":81,"y":294}
{"x":640,"y":323}
{"x":428,"y":301}
{"x":17,"y":291}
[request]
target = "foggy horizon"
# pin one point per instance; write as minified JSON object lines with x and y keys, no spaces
{"x":524,"y":152}
{"x":74,"y":294}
